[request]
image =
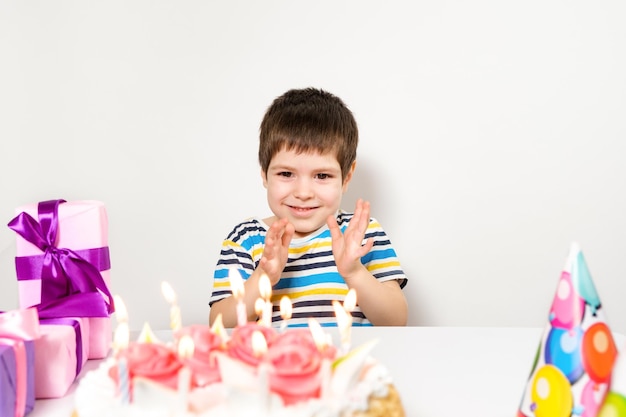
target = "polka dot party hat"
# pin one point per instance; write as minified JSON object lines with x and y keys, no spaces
{"x":575,"y":370}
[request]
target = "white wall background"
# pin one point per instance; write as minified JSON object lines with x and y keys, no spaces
{"x":492,"y":136}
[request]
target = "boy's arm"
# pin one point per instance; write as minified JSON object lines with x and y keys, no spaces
{"x":383,"y":303}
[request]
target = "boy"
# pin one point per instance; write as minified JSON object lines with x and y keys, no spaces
{"x":310,"y":249}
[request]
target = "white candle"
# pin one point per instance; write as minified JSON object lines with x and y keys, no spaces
{"x":236,"y":283}
{"x":318,"y":334}
{"x":326,"y":375}
{"x":349,"y":303}
{"x":264,"y":386}
{"x":259,"y":348}
{"x":186,"y":347}
{"x":265,"y":290}
{"x":344,"y":323}
{"x":286,"y":310}
{"x":121,"y":314}
{"x":122,"y":332}
{"x":184,"y":386}
{"x":121,"y":337}
{"x":170,"y":297}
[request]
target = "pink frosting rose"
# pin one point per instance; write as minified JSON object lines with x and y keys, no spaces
{"x":153,"y":361}
{"x":295,"y":364}
{"x":240,"y":343}
{"x":203,"y":363}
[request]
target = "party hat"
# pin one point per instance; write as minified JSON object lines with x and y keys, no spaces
{"x":571,"y":372}
{"x":615,"y":401}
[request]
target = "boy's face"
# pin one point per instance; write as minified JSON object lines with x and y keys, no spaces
{"x":305,"y":188}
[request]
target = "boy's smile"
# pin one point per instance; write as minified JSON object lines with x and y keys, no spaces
{"x":305,"y":188}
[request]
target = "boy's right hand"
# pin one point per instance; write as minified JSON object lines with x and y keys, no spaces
{"x":276,"y":249}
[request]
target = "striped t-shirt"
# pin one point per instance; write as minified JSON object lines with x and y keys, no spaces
{"x":310,"y":278}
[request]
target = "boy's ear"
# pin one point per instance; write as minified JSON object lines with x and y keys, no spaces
{"x":348,"y":177}
{"x":264,"y":178}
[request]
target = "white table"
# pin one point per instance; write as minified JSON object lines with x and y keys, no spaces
{"x":439,"y":371}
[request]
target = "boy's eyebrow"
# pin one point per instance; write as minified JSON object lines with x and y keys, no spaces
{"x":291,"y":168}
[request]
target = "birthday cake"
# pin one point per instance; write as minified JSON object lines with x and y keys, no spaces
{"x":253,"y":370}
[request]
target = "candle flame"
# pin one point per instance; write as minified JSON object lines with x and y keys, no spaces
{"x":265,"y":287}
{"x":318,"y":334}
{"x":219,"y":330}
{"x":168,"y":292}
{"x":218,"y":325}
{"x":258,"y":306}
{"x":286,"y":308}
{"x":186,"y":347}
{"x":349,"y":303}
{"x":259,"y":344}
{"x":121,"y":337}
{"x":146,"y":335}
{"x":343,"y":317}
{"x":236,"y":283}
{"x":121,"y":314}
{"x":175,"y":318}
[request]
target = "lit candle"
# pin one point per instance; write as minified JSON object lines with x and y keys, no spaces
{"x":186,"y":348}
{"x":344,"y":323}
{"x":286,"y":310}
{"x":319,"y":337}
{"x":259,"y":305}
{"x":121,"y":314}
{"x":259,"y":344}
{"x":236,"y":283}
{"x":349,"y":303}
{"x":218,"y":329}
{"x":265,"y":290}
{"x":121,"y":337}
{"x":170,"y":297}
{"x":184,"y":386}
{"x":122,"y":331}
{"x":259,"y":348}
{"x":326,"y":375}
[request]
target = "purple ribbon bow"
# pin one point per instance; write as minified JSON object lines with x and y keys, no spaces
{"x":71,"y":283}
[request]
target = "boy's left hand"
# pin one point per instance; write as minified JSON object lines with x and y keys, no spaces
{"x":348,"y":247}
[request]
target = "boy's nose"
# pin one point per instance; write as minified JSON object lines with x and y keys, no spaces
{"x":303,"y":189}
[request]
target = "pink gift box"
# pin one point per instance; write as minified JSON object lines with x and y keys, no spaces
{"x":18,"y":330}
{"x":82,"y":226}
{"x":58,"y":358}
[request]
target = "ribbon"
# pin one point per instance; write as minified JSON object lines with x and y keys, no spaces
{"x":67,"y":321}
{"x":71,"y":283}
{"x":15,"y":327}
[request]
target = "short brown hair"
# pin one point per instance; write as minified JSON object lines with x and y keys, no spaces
{"x":309,"y":120}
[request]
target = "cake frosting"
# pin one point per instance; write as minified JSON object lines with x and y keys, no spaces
{"x":254,"y":370}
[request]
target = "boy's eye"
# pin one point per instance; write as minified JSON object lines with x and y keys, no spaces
{"x":323,"y":176}
{"x":285,"y":174}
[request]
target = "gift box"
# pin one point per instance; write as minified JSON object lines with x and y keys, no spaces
{"x":63,"y":266}
{"x":60,"y":352}
{"x":18,"y":330}
{"x":573,"y":367}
